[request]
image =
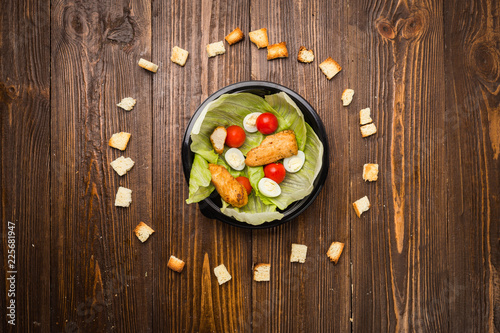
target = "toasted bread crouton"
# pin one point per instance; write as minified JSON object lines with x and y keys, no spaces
{"x":119,"y":140}
{"x":218,"y":138}
{"x":335,"y":251}
{"x":222,"y":274}
{"x":175,"y":264}
{"x":230,"y":190}
{"x":262,"y":272}
{"x":179,"y":56}
{"x":368,"y":130}
{"x":330,"y":68}
{"x":215,"y":49}
{"x":278,"y":50}
{"x":347,"y":96}
{"x":235,"y":36}
{"x":273,"y":148}
{"x":299,"y":253}
{"x":361,"y":205}
{"x":148,"y":65}
{"x":143,"y":231}
{"x":370,"y":172}
{"x":127,"y":103}
{"x":305,"y":55}
{"x":121,"y":165}
{"x":259,"y":37}
{"x":123,"y":197}
{"x":364,"y":116}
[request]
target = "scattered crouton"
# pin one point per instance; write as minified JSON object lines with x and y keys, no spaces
{"x":148,"y":65}
{"x":361,"y":205}
{"x":259,"y":37}
{"x":179,"y":56}
{"x":347,"y":96}
{"x":218,"y":138}
{"x":123,"y":197}
{"x":235,"y":36}
{"x":121,"y":165}
{"x":262,"y":272}
{"x":364,"y":116}
{"x":222,"y":274}
{"x":127,"y":103}
{"x":143,"y":231}
{"x":368,"y":130}
{"x":305,"y":55}
{"x":215,"y":49}
{"x":119,"y":140}
{"x":330,"y":68}
{"x":370,"y":172}
{"x":335,"y":251}
{"x":299,"y":253}
{"x":278,"y":50}
{"x":175,"y":264}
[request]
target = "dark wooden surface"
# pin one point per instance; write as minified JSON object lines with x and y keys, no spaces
{"x":424,"y":258}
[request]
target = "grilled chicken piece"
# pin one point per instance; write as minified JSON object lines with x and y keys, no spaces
{"x":273,"y":148}
{"x":230,"y":190}
{"x":218,"y":138}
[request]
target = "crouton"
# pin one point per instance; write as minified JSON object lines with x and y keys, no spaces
{"x":278,"y":50}
{"x":364,"y":116}
{"x":259,"y":37}
{"x":299,"y":253}
{"x":273,"y":148}
{"x":222,"y":274}
{"x":123,"y":197}
{"x":262,"y":272}
{"x":368,"y":130}
{"x":127,"y":103}
{"x":335,"y":251}
{"x":235,"y":36}
{"x":218,"y":138}
{"x":230,"y":190}
{"x":179,"y":56}
{"x":119,"y":140}
{"x":347,"y":96}
{"x":305,"y":55}
{"x":175,"y":264}
{"x":215,"y":49}
{"x":143,"y":231}
{"x":370,"y":172}
{"x":330,"y":68}
{"x":121,"y":165}
{"x":148,"y":65}
{"x":361,"y":205}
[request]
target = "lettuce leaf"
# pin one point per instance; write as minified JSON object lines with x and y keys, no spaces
{"x":255,"y":212}
{"x":200,"y":185}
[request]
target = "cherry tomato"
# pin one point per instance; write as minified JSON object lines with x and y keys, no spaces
{"x":267,"y":123}
{"x":275,"y":171}
{"x":235,"y":136}
{"x":245,"y":182}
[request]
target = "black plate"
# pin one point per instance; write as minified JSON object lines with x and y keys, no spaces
{"x":210,"y":206}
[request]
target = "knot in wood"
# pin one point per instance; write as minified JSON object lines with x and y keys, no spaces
{"x":413,"y":26}
{"x":75,"y":22}
{"x":485,"y":60}
{"x":385,"y":28}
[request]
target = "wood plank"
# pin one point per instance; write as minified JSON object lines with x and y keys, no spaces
{"x":472,"y":36}
{"x":98,"y":266}
{"x":399,"y":245}
{"x":314,"y":296}
{"x":25,"y":159}
{"x":193,"y":300}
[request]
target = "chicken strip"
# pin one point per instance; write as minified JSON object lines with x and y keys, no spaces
{"x":230,"y":190}
{"x":273,"y":148}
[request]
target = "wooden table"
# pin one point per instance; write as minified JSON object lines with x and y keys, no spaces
{"x":425,"y":257}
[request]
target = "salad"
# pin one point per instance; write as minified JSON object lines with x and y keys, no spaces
{"x":232,"y":109}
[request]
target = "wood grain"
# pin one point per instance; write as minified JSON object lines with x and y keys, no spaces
{"x":25,"y":159}
{"x":99,"y":279}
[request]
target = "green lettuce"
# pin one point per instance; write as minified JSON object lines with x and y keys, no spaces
{"x":200,"y":185}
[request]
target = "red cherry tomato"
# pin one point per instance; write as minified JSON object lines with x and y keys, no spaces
{"x":267,"y":123}
{"x":275,"y":171}
{"x":245,"y":182}
{"x":235,"y":136}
